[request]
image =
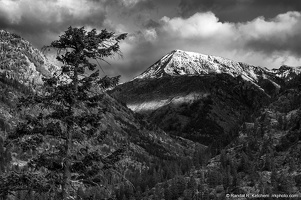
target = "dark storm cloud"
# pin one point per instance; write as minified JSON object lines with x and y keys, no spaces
{"x":43,"y":21}
{"x":239,"y":10}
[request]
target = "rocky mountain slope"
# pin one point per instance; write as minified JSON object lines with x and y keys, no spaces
{"x":21,"y":69}
{"x":286,"y":73}
{"x":21,"y":61}
{"x":201,"y":97}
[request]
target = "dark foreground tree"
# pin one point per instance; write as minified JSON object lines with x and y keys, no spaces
{"x":58,"y":137}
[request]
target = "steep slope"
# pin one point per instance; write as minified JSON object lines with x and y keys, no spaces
{"x":21,"y":69}
{"x":21,"y":61}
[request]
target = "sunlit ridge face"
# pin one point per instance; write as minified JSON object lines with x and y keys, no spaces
{"x":156,"y":104}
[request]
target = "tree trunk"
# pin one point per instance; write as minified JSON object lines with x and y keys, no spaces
{"x":67,"y":163}
{"x":66,"y":175}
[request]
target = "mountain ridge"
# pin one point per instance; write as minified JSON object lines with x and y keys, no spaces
{"x":287,"y":72}
{"x":179,"y":62}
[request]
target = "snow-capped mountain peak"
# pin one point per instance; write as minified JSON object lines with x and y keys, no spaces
{"x":180,"y":62}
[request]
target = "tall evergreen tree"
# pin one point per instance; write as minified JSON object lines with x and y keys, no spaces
{"x":57,"y":135}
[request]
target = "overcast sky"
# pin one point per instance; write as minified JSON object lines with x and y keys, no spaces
{"x":259,"y":32}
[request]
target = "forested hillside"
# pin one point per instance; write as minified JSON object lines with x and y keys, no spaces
{"x":263,"y":161}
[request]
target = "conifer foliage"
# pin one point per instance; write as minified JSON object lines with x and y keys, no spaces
{"x":60,"y":131}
